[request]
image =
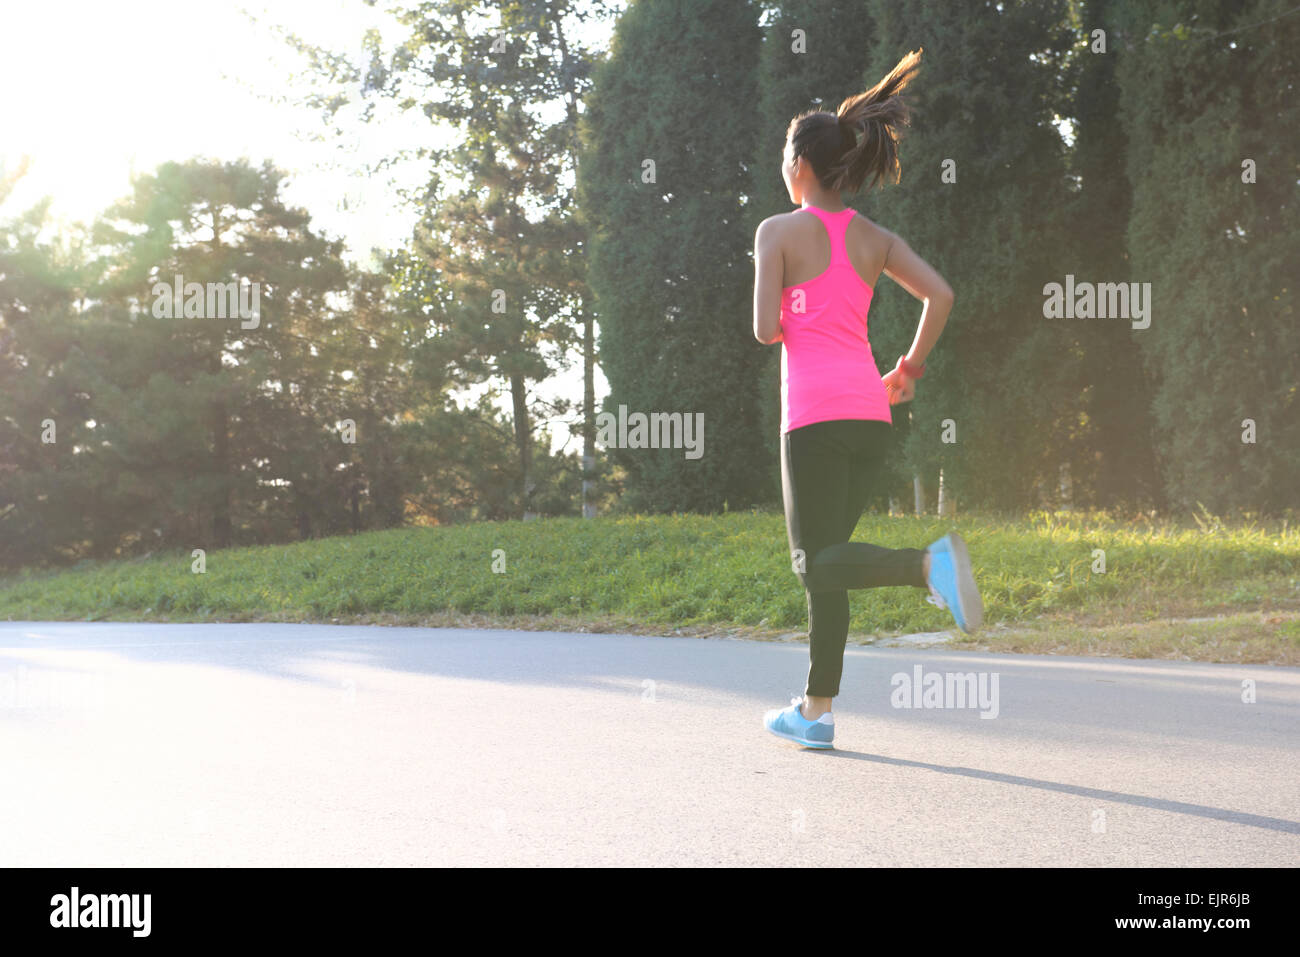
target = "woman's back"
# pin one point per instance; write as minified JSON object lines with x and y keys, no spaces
{"x":827,"y":368}
{"x":806,"y":247}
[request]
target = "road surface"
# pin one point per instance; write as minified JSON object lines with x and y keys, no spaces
{"x":160,"y":744}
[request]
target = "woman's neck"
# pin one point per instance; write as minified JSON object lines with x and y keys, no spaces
{"x":830,"y":202}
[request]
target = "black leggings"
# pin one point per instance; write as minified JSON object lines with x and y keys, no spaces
{"x":828,"y":472}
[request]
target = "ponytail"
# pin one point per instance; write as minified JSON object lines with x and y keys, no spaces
{"x":859,"y":142}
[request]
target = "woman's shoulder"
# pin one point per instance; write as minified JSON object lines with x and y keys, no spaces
{"x":796,"y":225}
{"x":779,"y":221}
{"x":799,"y":222}
{"x":871,"y":234}
{"x":864,"y":223}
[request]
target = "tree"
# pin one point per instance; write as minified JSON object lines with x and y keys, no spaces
{"x":1206,"y":91}
{"x":1111,"y":460}
{"x":506,"y":245}
{"x":983,"y":183}
{"x":663,"y":184}
{"x":250,"y":385}
{"x":41,"y":283}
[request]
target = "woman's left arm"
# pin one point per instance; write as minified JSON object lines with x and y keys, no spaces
{"x":769,"y":266}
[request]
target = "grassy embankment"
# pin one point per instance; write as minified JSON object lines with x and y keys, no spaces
{"x":1208,"y":593}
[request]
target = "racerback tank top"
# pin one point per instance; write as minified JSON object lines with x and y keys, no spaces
{"x":827,"y":369}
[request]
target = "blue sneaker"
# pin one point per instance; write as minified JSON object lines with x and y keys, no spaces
{"x":952,"y":586}
{"x":788,"y":723}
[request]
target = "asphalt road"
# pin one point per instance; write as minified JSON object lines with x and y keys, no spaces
{"x":285,"y":745}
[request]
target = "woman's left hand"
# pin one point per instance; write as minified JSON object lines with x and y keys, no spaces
{"x":898,"y":386}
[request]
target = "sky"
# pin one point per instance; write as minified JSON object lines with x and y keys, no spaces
{"x":95,"y":91}
{"x":146,"y":81}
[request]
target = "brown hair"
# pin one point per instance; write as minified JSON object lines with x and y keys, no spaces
{"x":859,"y":141}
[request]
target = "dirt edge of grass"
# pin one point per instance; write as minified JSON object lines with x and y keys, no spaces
{"x":1269,"y":637}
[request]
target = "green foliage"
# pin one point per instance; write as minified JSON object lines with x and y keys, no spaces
{"x":495,"y":264}
{"x":677,"y":570}
{"x":1110,"y":451}
{"x":669,"y":259}
{"x":1205,"y":87}
{"x":182,"y":433}
{"x":983,"y":105}
{"x":204,"y":432}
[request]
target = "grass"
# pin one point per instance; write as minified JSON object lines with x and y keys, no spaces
{"x":1043,"y":587}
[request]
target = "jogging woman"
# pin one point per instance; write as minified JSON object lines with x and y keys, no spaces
{"x":815,"y":272}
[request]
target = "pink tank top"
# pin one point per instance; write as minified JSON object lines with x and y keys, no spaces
{"x":827,"y":370}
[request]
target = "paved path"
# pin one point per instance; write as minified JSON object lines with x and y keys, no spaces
{"x":274,"y":745}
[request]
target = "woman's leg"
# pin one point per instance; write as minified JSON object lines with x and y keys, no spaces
{"x":827,"y":470}
{"x":815,"y":489}
{"x":846,"y":564}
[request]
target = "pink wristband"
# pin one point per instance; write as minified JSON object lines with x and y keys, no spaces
{"x":912,"y":372}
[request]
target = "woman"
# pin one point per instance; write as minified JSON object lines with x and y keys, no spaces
{"x":815,"y":271}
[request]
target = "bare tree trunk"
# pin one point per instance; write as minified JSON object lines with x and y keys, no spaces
{"x":523,"y":437}
{"x":588,"y":333}
{"x":588,"y":415}
{"x":221,"y":527}
{"x":1066,"y":488}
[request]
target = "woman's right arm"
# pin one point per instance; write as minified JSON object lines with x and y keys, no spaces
{"x":920,"y":279}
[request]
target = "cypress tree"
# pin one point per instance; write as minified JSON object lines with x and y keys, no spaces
{"x":983,"y":180}
{"x":667,"y":138}
{"x":1209,"y":106}
{"x":1111,"y":462}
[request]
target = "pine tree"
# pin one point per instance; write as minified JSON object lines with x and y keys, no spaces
{"x":203,"y":415}
{"x":506,"y":243}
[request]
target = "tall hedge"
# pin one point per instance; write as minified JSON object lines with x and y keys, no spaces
{"x":667,"y":137}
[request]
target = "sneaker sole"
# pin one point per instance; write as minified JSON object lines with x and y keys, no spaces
{"x":968,"y":595}
{"x":820,"y":745}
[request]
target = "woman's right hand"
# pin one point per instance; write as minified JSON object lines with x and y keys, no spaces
{"x":899,"y":386}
